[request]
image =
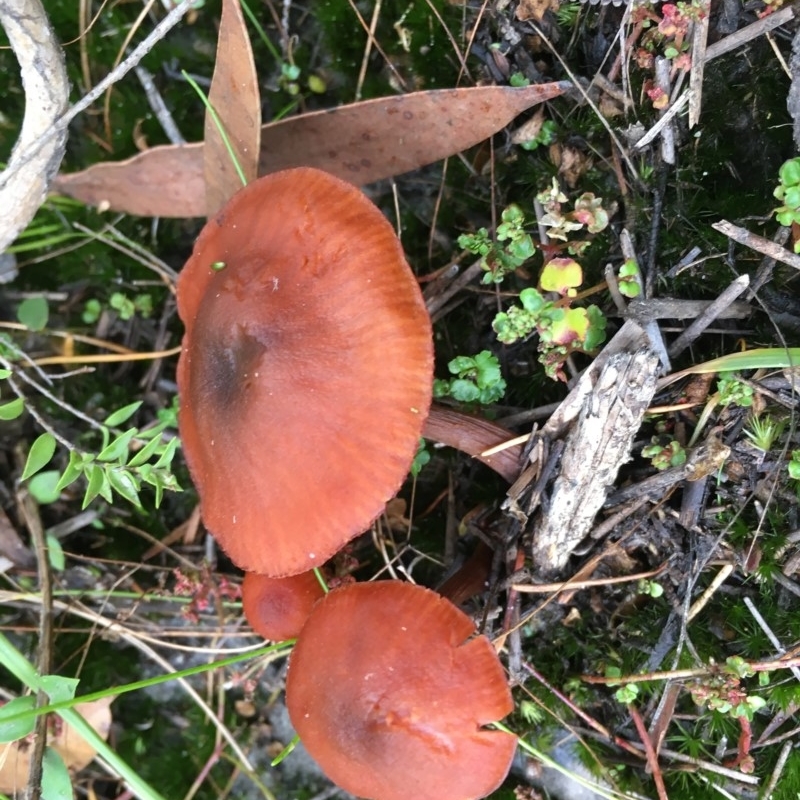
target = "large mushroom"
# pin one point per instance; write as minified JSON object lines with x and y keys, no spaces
{"x":306,"y":370}
{"x":390,"y":695}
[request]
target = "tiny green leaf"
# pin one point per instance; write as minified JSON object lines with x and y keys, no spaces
{"x":18,"y":728}
{"x":124,"y":484}
{"x":146,"y":452}
{"x":56,"y":781}
{"x":43,"y":487}
{"x":39,"y":456}
{"x":33,"y":313}
{"x":12,"y":410}
{"x":5,"y":373}
{"x":72,"y":471}
{"x":123,"y":414}
{"x":59,"y":689}
{"x":117,"y":449}
{"x":166,"y":457}
{"x":96,"y":480}
{"x":55,"y":553}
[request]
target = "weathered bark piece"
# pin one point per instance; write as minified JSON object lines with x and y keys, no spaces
{"x":35,"y":159}
{"x":596,"y":447}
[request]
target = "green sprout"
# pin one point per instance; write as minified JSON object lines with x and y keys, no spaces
{"x":763,"y":433}
{"x":546,"y":136}
{"x":789,"y":194}
{"x":630,"y":279}
{"x":664,"y":454}
{"x":498,"y":260}
{"x":794,"y":465}
{"x":478,"y":379}
{"x":734,"y":391}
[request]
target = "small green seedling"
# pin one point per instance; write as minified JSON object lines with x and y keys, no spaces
{"x":664,"y":454}
{"x":478,"y":379}
{"x":630,"y":279}
{"x":514,"y":249}
{"x":734,"y":391}
{"x":789,"y":194}
{"x":763,"y":433}
{"x":794,"y":465}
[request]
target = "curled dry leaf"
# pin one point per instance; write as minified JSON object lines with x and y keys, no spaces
{"x":235,"y":98}
{"x":360,"y":143}
{"x":474,"y":435}
{"x":75,"y":751}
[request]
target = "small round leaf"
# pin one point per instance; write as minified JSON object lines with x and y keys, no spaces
{"x":33,"y":313}
{"x":41,"y":452}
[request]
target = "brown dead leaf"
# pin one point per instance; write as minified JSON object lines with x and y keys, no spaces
{"x":12,"y":546}
{"x":574,"y":163}
{"x":529,"y":130}
{"x":75,"y":751}
{"x":535,"y":9}
{"x":235,"y":98}
{"x":361,"y":143}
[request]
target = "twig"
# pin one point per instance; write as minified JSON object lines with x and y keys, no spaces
{"x":33,"y":523}
{"x":158,"y":105}
{"x":56,"y":130}
{"x":709,"y":315}
{"x":699,"y":42}
{"x":757,"y":243}
{"x":762,"y":623}
{"x":562,"y":586}
{"x":749,"y":32}
{"x":780,"y":764}
{"x":652,"y":757}
{"x":663,"y":122}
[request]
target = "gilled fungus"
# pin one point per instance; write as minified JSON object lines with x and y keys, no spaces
{"x":306,"y":370}
{"x":390,"y":695}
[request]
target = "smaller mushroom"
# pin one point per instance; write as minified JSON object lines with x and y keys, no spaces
{"x":390,"y":695}
{"x":277,"y":608}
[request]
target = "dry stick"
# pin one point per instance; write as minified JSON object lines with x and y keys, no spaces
{"x":780,"y":764}
{"x":156,"y":102}
{"x":699,"y":42}
{"x":33,"y":523}
{"x":762,"y":623}
{"x":749,"y":32}
{"x":40,"y":147}
{"x":709,"y":315}
{"x":663,"y":122}
{"x":663,"y":67}
{"x":757,"y":243}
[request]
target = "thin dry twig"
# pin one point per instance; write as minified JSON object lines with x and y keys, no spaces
{"x":758,"y":243}
{"x":709,"y":315}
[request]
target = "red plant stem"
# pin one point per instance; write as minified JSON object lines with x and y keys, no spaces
{"x":652,"y":758}
{"x":590,"y":721}
{"x":745,"y":740}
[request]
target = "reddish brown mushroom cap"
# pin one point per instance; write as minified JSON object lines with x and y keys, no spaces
{"x":389,"y":695}
{"x":306,"y":370}
{"x":277,"y":608}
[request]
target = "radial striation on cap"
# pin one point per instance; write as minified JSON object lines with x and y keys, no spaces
{"x":306,"y":371}
{"x":390,"y":696}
